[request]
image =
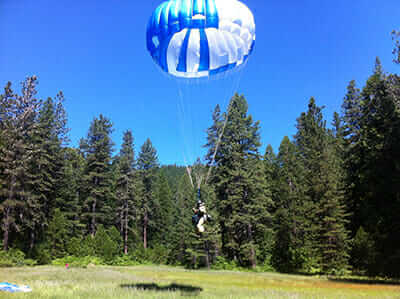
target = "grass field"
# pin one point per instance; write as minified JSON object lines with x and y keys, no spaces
{"x":167,"y":282}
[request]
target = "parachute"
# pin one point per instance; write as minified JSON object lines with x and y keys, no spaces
{"x":13,"y":288}
{"x":200,"y":38}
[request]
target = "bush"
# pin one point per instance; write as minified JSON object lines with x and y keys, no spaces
{"x":157,"y":255}
{"x":14,"y":258}
{"x":42,"y":254}
{"x":104,"y":244}
{"x":80,"y":262}
{"x":223,"y":264}
{"x":364,"y":253}
{"x":125,"y":260}
{"x":265,"y":266}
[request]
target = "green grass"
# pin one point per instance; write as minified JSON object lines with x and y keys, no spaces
{"x":167,"y":282}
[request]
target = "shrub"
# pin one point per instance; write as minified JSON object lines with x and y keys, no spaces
{"x":223,"y":264}
{"x":125,"y":260}
{"x":363,"y":253}
{"x":42,"y":254}
{"x":80,"y":262}
{"x":157,"y":255}
{"x":105,"y":246}
{"x":265,"y":266}
{"x":14,"y":258}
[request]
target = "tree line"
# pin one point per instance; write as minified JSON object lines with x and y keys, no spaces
{"x":327,"y":202}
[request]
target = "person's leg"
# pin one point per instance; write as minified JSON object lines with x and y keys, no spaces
{"x":200,"y":226}
{"x":195,"y":219}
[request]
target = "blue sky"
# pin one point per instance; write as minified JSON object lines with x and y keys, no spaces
{"x":95,"y":52}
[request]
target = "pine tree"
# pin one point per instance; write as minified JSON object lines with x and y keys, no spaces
{"x":70,"y":189}
{"x":326,"y":237}
{"x":45,"y":167}
{"x":265,"y":238}
{"x":242,"y":202}
{"x":17,"y":121}
{"x":351,"y":120}
{"x":97,"y":148}
{"x":333,"y":236}
{"x":288,"y":253}
{"x":148,"y":207}
{"x":127,"y":189}
{"x":58,"y":234}
{"x":378,"y":149}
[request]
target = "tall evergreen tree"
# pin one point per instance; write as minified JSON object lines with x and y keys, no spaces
{"x":148,"y":207}
{"x":334,"y":236}
{"x":265,"y":238}
{"x":351,"y":126}
{"x":378,"y":149}
{"x":127,"y":189}
{"x":17,"y":127}
{"x":45,"y":167}
{"x":242,"y":202}
{"x":70,"y":190}
{"x":326,"y":236}
{"x":290,"y":215}
{"x":97,"y":149}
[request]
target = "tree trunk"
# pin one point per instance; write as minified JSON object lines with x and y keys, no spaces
{"x":252,"y":250}
{"x":93,"y":223}
{"x":7,"y":212}
{"x":32,"y":240}
{"x":145,"y":222}
{"x":207,"y":248}
{"x":216,"y":251}
{"x":126,"y":233}
{"x":194,"y":262}
{"x":121,"y":220}
{"x":6,"y":228}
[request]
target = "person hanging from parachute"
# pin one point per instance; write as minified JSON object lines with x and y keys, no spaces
{"x":193,"y":39}
{"x":200,"y":216}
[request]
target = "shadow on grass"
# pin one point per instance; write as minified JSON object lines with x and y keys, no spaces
{"x":394,"y":282}
{"x":173,"y":287}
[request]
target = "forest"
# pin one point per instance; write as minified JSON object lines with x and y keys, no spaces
{"x":326,"y":202}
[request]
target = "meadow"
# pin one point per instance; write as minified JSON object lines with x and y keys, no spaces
{"x":171,"y":282}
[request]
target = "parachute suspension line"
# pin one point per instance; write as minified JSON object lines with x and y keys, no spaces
{"x":183,"y":115}
{"x":185,"y":89}
{"x":217,"y":146}
{"x":199,"y":177}
{"x":234,"y":89}
{"x":189,"y":171}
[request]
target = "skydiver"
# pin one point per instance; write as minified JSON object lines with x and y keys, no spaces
{"x":200,"y":214}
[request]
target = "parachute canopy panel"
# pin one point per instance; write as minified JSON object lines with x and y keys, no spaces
{"x":200,"y":38}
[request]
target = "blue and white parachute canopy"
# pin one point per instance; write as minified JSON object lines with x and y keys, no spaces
{"x":13,"y":288}
{"x":200,"y":38}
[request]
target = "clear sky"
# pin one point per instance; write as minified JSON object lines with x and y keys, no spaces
{"x":95,"y":52}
